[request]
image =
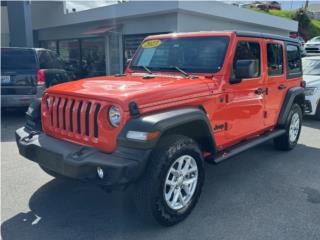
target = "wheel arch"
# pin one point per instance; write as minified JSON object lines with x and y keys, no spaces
{"x":294,"y":95}
{"x":190,"y":122}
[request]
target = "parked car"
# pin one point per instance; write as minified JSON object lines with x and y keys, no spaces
{"x":313,"y":45}
{"x":184,"y":98}
{"x":272,"y":5}
{"x":311,"y":74}
{"x":296,"y":36}
{"x":26,"y":72}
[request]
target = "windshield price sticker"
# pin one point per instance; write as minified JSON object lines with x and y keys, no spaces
{"x":151,"y":44}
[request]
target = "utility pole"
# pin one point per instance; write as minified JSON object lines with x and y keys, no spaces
{"x":306,"y":6}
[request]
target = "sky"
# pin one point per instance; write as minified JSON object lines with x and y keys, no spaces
{"x":84,"y":5}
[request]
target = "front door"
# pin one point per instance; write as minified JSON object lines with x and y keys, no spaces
{"x":244,"y":110}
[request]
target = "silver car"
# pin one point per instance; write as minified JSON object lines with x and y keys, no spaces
{"x":313,"y":46}
{"x":311,"y":74}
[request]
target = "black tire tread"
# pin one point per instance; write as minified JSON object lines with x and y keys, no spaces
{"x":283,"y":142}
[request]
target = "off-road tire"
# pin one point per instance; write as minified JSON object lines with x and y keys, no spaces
{"x":149,"y":197}
{"x":283,"y":142}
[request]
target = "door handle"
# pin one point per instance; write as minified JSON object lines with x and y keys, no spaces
{"x":282,"y":87}
{"x":260,"y":91}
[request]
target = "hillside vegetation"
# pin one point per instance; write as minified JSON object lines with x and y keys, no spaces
{"x":308,"y":28}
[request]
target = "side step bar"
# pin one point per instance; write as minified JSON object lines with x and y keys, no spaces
{"x":243,"y":146}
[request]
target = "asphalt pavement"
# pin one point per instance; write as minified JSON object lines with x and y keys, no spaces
{"x":260,"y":194}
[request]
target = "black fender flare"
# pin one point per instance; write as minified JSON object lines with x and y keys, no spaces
{"x":164,"y":122}
{"x":292,"y":95}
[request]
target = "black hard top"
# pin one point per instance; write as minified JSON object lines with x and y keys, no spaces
{"x":265,"y":35}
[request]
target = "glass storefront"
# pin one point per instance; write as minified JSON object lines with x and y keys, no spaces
{"x":93,"y":57}
{"x":69,"y":52}
{"x":84,"y":57}
{"x":52,"y":45}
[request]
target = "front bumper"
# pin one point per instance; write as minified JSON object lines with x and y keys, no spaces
{"x":311,"y":104}
{"x":121,"y":167}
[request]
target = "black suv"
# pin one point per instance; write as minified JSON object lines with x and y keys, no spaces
{"x":26,"y":72}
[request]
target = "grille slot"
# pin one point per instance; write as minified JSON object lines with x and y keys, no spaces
{"x":79,"y":117}
{"x":51,"y":112}
{"x":70,"y":115}
{"x":59,"y":100}
{"x":87,"y":119}
{"x":95,"y":126}
{"x":64,"y":114}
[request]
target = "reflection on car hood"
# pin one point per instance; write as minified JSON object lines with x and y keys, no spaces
{"x":145,"y":92}
{"x":313,"y":43}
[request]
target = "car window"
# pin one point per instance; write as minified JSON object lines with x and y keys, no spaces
{"x":17,"y":59}
{"x":315,"y":39}
{"x":294,"y":68}
{"x":275,"y":59}
{"x":48,"y":60}
{"x":247,"y":51}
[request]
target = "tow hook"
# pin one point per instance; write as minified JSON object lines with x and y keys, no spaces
{"x":30,"y":136}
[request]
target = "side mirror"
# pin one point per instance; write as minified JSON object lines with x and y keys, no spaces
{"x":245,"y":69}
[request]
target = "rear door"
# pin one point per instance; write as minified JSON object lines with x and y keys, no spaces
{"x":18,"y":71}
{"x":275,"y":80}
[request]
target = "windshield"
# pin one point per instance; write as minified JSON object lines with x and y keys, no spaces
{"x":192,"y":54}
{"x":17,"y":59}
{"x":311,"y":66}
{"x":316,"y":39}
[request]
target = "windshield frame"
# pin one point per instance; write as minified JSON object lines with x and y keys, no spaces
{"x":165,"y":69}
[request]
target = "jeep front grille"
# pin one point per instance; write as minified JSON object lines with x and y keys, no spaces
{"x":77,"y":116}
{"x":79,"y":120}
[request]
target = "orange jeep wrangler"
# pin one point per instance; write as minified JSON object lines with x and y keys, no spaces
{"x":183,"y":98}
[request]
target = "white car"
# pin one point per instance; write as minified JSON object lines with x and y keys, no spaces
{"x":313,"y":46}
{"x":311,"y":74}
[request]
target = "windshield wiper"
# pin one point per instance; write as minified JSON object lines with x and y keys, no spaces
{"x":144,"y":67}
{"x":180,"y":70}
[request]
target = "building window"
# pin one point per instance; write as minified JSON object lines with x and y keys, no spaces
{"x":294,"y":68}
{"x":69,"y":51}
{"x":51,"y":45}
{"x":275,"y":59}
{"x":93,"y":57}
{"x":48,"y":60}
{"x":248,"y":51}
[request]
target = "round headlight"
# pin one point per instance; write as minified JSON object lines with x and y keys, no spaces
{"x":114,"y":116}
